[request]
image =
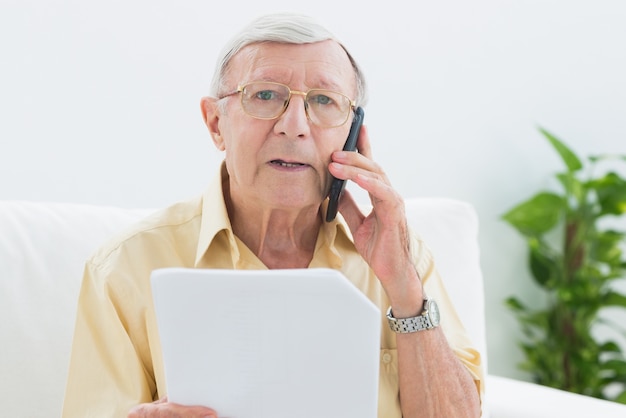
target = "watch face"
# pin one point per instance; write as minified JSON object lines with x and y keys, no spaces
{"x":433,"y":312}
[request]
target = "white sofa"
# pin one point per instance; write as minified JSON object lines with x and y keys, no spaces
{"x":43,"y":247}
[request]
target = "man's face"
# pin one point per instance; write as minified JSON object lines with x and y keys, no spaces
{"x":283,"y":163}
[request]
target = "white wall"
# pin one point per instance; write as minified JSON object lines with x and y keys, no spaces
{"x":99,"y":103}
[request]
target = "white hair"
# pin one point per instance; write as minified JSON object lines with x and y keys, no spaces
{"x":287,"y":28}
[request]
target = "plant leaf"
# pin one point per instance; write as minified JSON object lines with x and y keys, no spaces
{"x":615,"y":299}
{"x":616,"y":366}
{"x":607,"y":247}
{"x":536,"y":215}
{"x":611,"y":192}
{"x":572,"y":185}
{"x":515,"y":305}
{"x":543,"y":267}
{"x":569,"y":158}
{"x":610,"y":347}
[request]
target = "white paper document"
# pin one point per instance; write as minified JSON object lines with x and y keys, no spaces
{"x":294,"y":343}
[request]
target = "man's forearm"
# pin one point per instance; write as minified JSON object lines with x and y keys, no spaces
{"x":433,"y":381}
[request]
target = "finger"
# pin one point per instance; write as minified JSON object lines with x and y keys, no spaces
{"x":376,"y":184}
{"x":347,"y":165}
{"x":162,"y":409}
{"x":377,"y":187}
{"x":183,"y":411}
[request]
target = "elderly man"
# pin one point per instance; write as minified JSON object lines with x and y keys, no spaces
{"x":280,"y":109}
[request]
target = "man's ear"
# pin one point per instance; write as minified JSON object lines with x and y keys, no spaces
{"x":211,"y":116}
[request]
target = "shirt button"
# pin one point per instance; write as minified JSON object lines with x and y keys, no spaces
{"x":386,"y":358}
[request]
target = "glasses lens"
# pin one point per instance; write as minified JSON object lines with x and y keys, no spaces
{"x":327,"y":108}
{"x":264,"y":100}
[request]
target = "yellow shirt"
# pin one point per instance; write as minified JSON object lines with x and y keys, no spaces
{"x":116,"y":356}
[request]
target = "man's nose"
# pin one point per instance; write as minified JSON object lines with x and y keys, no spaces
{"x":294,"y":122}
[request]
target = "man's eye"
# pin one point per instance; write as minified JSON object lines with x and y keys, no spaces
{"x":321,"y":99}
{"x":266,"y":95}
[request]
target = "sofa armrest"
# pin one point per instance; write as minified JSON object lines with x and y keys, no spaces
{"x":509,"y":398}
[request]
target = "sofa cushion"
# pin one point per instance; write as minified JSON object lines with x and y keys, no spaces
{"x":43,"y":248}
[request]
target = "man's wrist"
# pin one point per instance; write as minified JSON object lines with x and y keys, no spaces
{"x":408,"y":300}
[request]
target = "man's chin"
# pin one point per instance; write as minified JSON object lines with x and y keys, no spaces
{"x":296,"y":199}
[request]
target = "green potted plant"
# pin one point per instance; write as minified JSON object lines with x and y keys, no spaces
{"x":575,"y":259}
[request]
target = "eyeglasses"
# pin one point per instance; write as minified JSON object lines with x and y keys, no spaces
{"x":268,"y":100}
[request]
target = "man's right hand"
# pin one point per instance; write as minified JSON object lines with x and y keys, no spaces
{"x":164,"y":409}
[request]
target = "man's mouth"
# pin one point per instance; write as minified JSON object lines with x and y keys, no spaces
{"x":287,"y":164}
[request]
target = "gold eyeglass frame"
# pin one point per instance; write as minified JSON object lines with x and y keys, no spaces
{"x":304,"y":94}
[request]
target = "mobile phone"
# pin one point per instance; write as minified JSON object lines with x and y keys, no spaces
{"x":337,"y":185}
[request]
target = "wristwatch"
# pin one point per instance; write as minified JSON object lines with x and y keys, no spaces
{"x":428,"y":319}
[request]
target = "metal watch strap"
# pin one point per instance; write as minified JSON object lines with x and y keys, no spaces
{"x":408,"y":325}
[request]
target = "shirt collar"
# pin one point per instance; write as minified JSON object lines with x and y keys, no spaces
{"x":215,"y":216}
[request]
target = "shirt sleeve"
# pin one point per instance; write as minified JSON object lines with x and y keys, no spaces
{"x":110,"y":370}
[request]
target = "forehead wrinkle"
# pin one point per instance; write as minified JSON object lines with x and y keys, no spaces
{"x":326,"y":71}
